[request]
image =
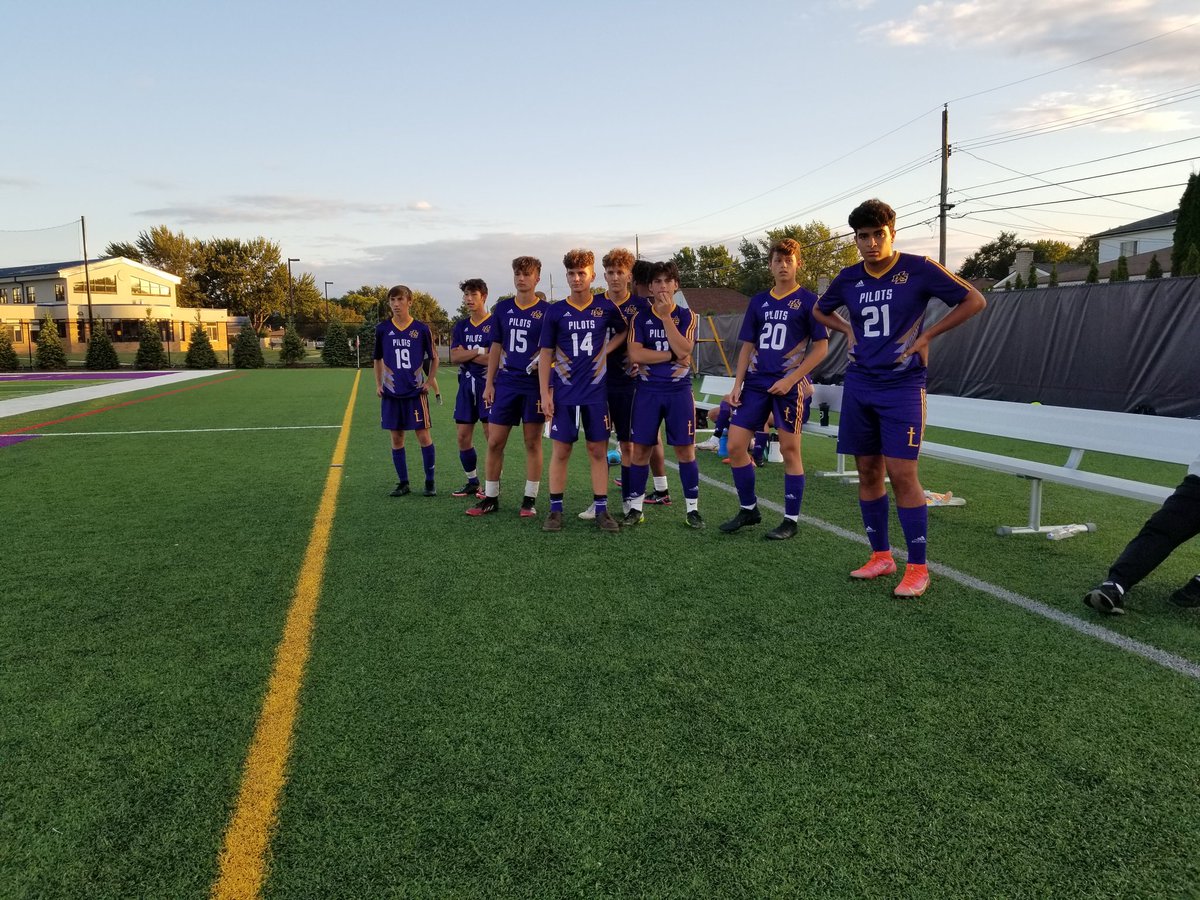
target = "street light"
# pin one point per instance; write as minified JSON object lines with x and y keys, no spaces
{"x":327,"y":284}
{"x":291,"y":297}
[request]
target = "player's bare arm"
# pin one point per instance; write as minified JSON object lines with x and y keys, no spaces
{"x":543,"y":370}
{"x":489,"y":384}
{"x":835,"y":322}
{"x":970,"y":305}
{"x":378,"y":366}
{"x":745,"y":354}
{"x":817,"y":351}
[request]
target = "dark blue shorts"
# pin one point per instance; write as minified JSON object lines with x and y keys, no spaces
{"x":620,"y":412}
{"x":469,"y":407}
{"x":887,"y":420}
{"x":789,"y":411}
{"x":651,"y":408}
{"x":513,"y":407}
{"x":564,"y":426}
{"x":410,"y":414}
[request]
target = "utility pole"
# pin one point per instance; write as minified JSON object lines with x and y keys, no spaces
{"x":943,"y":206}
{"x":87,"y":278}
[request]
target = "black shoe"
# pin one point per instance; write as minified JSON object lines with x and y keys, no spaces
{"x":633,"y":517}
{"x":470,"y":489}
{"x":430,"y":490}
{"x":402,"y":489}
{"x":485,"y":506}
{"x":782,"y":532}
{"x":659,"y":498}
{"x":743,"y":518}
{"x":693,"y":519}
{"x":1106,"y":598}
{"x":1188,"y":596}
{"x":760,"y":459}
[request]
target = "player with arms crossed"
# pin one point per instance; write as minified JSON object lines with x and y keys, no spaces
{"x":660,"y":343}
{"x":511,"y":392}
{"x":577,"y":336}
{"x":883,"y":399}
{"x":470,"y":344}
{"x":403,"y":347}
{"x":772,"y":377}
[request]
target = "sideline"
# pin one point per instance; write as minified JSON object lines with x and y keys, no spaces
{"x":242,"y":862}
{"x":19,"y":405}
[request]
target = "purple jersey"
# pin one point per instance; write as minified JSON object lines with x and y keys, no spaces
{"x":577,"y":336}
{"x":472,"y":336}
{"x":620,"y":369}
{"x":887,"y":312}
{"x":403,"y":352}
{"x":651,"y":333}
{"x":518,"y":330}
{"x":779,"y":329}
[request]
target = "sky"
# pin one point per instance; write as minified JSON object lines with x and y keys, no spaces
{"x":425,"y":143}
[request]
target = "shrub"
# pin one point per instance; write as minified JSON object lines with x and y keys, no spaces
{"x":49,"y":354}
{"x":101,"y":356}
{"x":336,"y":351}
{"x":293,"y":350}
{"x":150,"y":354}
{"x":1154,"y":270}
{"x":200,"y":353}
{"x":247,"y":350}
{"x":8,"y":356}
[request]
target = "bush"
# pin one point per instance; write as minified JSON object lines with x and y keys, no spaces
{"x":50,"y":354}
{"x":1191,"y":262}
{"x":101,"y":356}
{"x":200,"y":353}
{"x":8,"y":356}
{"x":1120,"y":271}
{"x":336,"y":351}
{"x":293,"y":350}
{"x":1093,"y":275}
{"x":247,"y":350}
{"x":366,"y":344}
{"x":1154,"y":270}
{"x":150,"y":354}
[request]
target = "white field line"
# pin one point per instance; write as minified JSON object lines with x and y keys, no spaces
{"x":1148,"y":652}
{"x":180,"y":430}
{"x":18,"y":405}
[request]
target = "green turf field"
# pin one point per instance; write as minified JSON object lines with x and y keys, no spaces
{"x":490,"y":711}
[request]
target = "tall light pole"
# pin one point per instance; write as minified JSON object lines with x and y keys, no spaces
{"x":327,"y":284}
{"x":291,"y":297}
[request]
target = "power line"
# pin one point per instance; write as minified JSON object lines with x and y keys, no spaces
{"x":1160,"y":187}
{"x":1042,"y":187}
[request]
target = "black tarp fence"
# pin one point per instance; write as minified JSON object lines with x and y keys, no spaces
{"x":1127,"y":347}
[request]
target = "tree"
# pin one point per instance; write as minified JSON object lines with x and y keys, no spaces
{"x":49,"y":354}
{"x":336,"y":351}
{"x":756,"y":276}
{"x":293,"y":350}
{"x":247,"y":350}
{"x":366,"y":343}
{"x":716,"y":267}
{"x":822,"y":256}
{"x":8,"y":356}
{"x":200,"y":354}
{"x":246,"y":277}
{"x":1054,"y":275}
{"x":101,"y":355}
{"x":172,"y":252}
{"x":1033,"y":279}
{"x":429,"y":311}
{"x":1191,"y":262}
{"x":1120,"y":271}
{"x":1187,"y":227}
{"x":150,"y":354}
{"x":1154,"y":269}
{"x":125,"y":249}
{"x":1018,"y":283}
{"x":1093,"y":275}
{"x":689,"y":267}
{"x":994,"y":259}
{"x":368,"y":300}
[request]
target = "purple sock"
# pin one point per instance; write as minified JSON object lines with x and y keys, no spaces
{"x":401,"y":463}
{"x":556,"y":503}
{"x":469,"y":460}
{"x":625,"y":477}
{"x":875,"y":520}
{"x":427,"y":460}
{"x":914,"y":521}
{"x":793,"y":495}
{"x":637,"y":480}
{"x":600,"y":502}
{"x":689,"y":478}
{"x":760,"y":442}
{"x":743,"y":480}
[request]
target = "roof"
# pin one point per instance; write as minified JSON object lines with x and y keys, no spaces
{"x":41,"y":269}
{"x":1162,"y":220}
{"x":715,"y":301}
{"x":1137,"y":265}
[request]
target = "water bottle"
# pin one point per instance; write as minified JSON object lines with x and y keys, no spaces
{"x":1066,"y":531}
{"x":824,"y":415}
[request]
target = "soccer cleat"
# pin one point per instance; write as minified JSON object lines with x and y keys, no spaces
{"x":1187,"y":596}
{"x":760,"y":459}
{"x":782,"y":532}
{"x":880,"y":563}
{"x":743,"y":518}
{"x":1108,"y":597}
{"x":633,"y":517}
{"x":659,"y":498}
{"x":693,"y":520}
{"x":588,"y":514}
{"x":605,"y":522}
{"x":711,"y":444}
{"x":430,"y":490}
{"x":470,"y":489}
{"x":553,"y":521}
{"x":402,"y":489}
{"x":914,"y":582}
{"x":485,"y":506}
{"x":617,"y":482}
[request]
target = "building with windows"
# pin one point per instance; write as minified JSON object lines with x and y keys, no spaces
{"x":116,"y":294}
{"x":1152,"y":235}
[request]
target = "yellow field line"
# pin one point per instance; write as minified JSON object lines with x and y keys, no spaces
{"x":243,"y":855}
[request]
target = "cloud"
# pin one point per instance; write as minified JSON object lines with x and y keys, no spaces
{"x":421,"y":206}
{"x":7,"y":181}
{"x":1062,"y":32}
{"x":276,"y":208}
{"x":1099,"y":102}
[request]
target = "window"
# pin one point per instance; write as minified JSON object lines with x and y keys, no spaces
{"x":32,"y":291}
{"x":1129,"y":248}
{"x":18,"y":331}
{"x":60,"y":293}
{"x":143,"y":288}
{"x":3,"y":295}
{"x":99,"y":286}
{"x":17,"y":294}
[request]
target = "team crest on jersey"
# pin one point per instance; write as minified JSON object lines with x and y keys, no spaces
{"x":795,"y":304}
{"x":413,"y":333}
{"x":597,"y":313}
{"x":537,"y":314}
{"x":900,"y":278}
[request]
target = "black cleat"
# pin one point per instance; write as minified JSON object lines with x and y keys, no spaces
{"x":633,"y":517}
{"x":694,"y":520}
{"x":402,"y":489}
{"x":785,"y":530}
{"x":430,"y":490}
{"x":1106,"y":598}
{"x":485,"y":506}
{"x":470,"y":489}
{"x":659,"y":498}
{"x":1188,"y":596}
{"x":743,"y":518}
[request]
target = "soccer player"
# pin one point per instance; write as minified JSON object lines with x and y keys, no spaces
{"x":660,"y":343}
{"x":511,"y":392}
{"x":403,"y":348}
{"x":781,"y":344}
{"x":577,"y":337}
{"x":883,"y":399}
{"x":470,"y":344}
{"x":661,"y":495}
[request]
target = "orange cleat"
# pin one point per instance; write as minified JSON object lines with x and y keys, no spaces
{"x":880,"y":563}
{"x":914,"y":582}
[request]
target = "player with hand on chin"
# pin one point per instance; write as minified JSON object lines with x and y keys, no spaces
{"x":470,"y":344}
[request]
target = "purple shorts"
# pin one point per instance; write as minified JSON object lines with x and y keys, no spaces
{"x":512,"y":407}
{"x":790,"y":411}
{"x":675,"y":407}
{"x":409,"y":414}
{"x":882,"y":419}
{"x":564,"y":426}
{"x":620,"y":411}
{"x":469,"y":407}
